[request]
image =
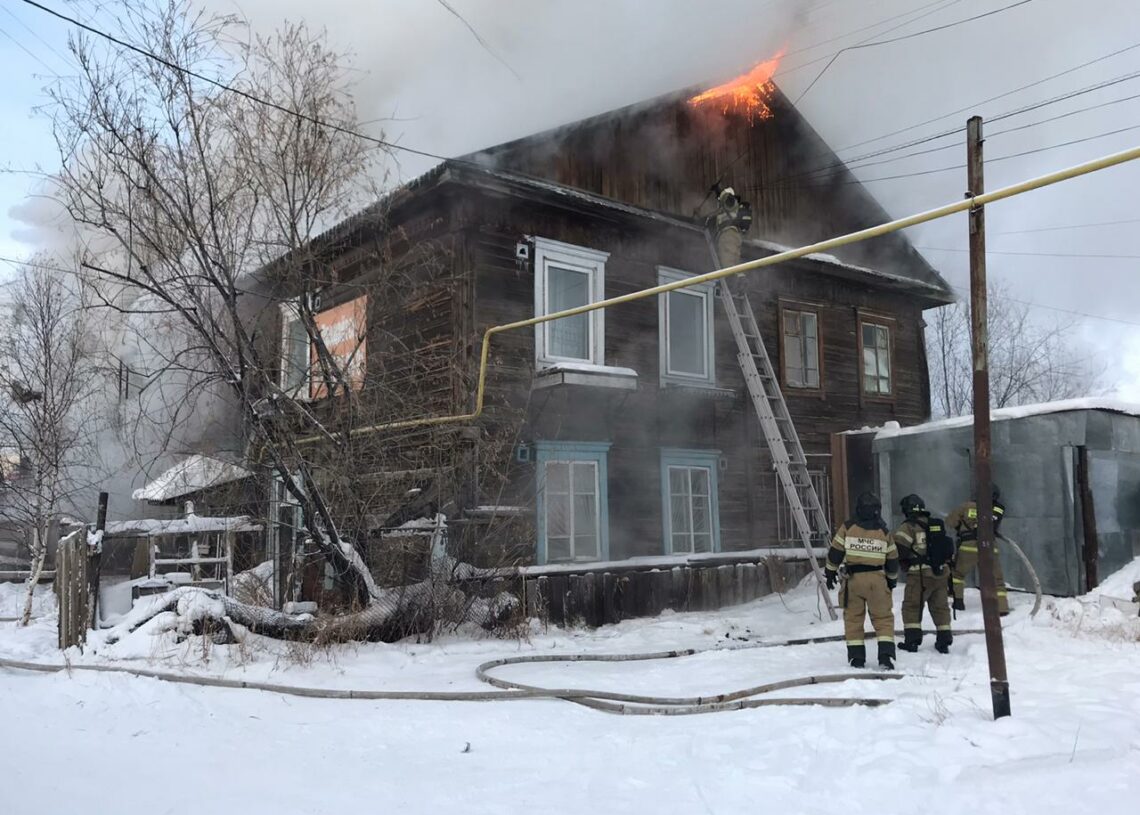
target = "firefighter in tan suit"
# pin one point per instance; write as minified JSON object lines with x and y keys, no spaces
{"x":964,"y":522}
{"x":863,"y":547}
{"x":925,"y":552}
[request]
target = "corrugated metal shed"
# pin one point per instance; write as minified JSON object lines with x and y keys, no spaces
{"x":1038,"y":454}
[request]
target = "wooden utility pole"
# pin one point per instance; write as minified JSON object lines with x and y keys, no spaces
{"x":95,"y":564}
{"x":983,"y":481}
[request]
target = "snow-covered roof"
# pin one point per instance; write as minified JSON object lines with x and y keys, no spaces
{"x":193,"y":474}
{"x":191,"y":524}
{"x":892,"y":429}
{"x":839,"y":265}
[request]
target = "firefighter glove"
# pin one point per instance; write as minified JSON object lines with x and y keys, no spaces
{"x":831,"y":578}
{"x":959,"y":604}
{"x":891,"y":583}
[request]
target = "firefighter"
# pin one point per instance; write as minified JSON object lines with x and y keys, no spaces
{"x":925,"y":552}
{"x":964,"y":522}
{"x":863,"y":547}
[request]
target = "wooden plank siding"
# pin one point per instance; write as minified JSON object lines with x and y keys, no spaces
{"x":449,"y":242}
{"x":664,"y":154}
{"x":639,"y":423}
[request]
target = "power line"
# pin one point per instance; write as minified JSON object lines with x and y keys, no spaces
{"x":229,"y":88}
{"x":63,"y":57}
{"x":948,"y":168}
{"x":912,"y":35}
{"x":31,"y":54}
{"x":479,"y":39}
{"x":1064,"y":227}
{"x":1034,"y":254}
{"x":942,"y":6}
{"x":1085,"y":314}
{"x":860,"y":161}
{"x":1003,"y":95}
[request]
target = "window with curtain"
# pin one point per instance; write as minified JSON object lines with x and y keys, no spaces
{"x":689,"y":501}
{"x":572,"y":495}
{"x":568,"y":276}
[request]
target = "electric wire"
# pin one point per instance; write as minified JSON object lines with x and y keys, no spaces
{"x":389,"y":145}
{"x":839,"y":163}
{"x":865,"y":44}
{"x":860,"y":161}
{"x":1062,"y":227}
{"x":948,"y":168}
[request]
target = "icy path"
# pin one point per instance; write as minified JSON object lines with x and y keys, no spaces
{"x":1072,"y":746}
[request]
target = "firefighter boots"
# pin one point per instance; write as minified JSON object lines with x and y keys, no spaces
{"x":912,"y":638}
{"x":887,"y":655}
{"x":943,"y":641}
{"x":856,"y":655}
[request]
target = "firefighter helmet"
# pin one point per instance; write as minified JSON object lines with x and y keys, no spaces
{"x":913,"y":505}
{"x":867,"y":506}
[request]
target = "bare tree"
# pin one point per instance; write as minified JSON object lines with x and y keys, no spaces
{"x":1031,"y":360}
{"x":196,"y":187}
{"x":47,"y":411}
{"x":212,"y":196}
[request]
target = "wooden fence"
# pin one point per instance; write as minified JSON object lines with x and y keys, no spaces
{"x":604,"y":597}
{"x":72,"y":589}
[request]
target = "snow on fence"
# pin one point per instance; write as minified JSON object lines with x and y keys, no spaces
{"x":72,"y":589}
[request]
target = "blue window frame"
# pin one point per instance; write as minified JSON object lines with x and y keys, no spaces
{"x":689,"y":501}
{"x":573,"y":501}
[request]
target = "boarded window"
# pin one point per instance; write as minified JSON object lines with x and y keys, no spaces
{"x":801,"y":349}
{"x":343,"y":329}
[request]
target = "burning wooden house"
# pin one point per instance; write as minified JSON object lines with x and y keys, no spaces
{"x":622,"y":440}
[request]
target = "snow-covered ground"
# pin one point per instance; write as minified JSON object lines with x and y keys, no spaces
{"x":107,"y":743}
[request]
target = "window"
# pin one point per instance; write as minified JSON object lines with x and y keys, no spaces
{"x":689,"y":501}
{"x":572,"y":502}
{"x":567,"y":276}
{"x":686,"y":320}
{"x":875,"y":341}
{"x":343,"y":329}
{"x":801,"y":348}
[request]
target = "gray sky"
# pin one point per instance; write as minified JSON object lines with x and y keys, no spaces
{"x":419,"y":68}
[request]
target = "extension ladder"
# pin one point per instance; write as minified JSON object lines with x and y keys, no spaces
{"x":788,"y":457}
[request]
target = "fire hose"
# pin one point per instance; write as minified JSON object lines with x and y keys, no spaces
{"x":1029,"y":568}
{"x":605,"y":701}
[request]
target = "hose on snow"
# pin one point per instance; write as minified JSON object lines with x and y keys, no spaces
{"x":606,"y":701}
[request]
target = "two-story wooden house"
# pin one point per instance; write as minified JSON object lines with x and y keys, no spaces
{"x":625,"y":432}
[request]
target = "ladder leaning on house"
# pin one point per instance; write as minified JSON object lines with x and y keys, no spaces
{"x":788,"y":459}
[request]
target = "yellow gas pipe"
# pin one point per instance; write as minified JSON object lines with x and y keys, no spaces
{"x":967,"y":203}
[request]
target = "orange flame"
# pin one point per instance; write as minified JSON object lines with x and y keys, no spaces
{"x":748,"y":93}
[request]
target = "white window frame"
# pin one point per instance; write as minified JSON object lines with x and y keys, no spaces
{"x":706,"y":292}
{"x":592,"y":262}
{"x":689,"y":460}
{"x":291,"y":315}
{"x":571,"y":453}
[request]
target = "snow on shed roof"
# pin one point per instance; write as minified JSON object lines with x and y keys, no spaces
{"x":892,"y":429}
{"x":193,"y":474}
{"x":191,"y":524}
